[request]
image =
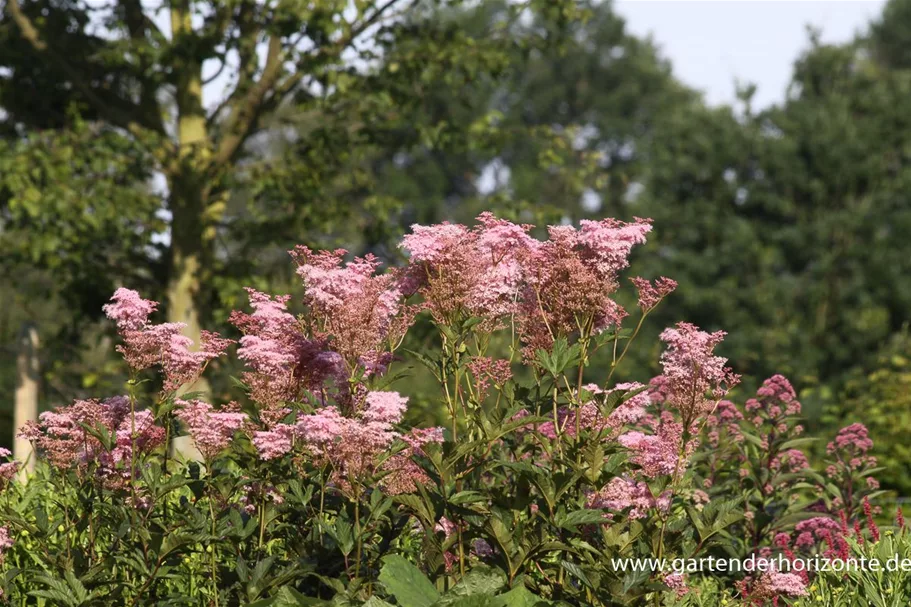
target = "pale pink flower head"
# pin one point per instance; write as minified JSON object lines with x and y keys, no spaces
{"x":8,"y":471}
{"x":6,"y":542}
{"x":282,"y":361}
{"x":146,"y":345}
{"x":212,"y":430}
{"x":650,"y":295}
{"x":622,"y":493}
{"x":129,"y":310}
{"x":501,"y":239}
{"x":402,"y":473}
{"x":773,"y":584}
{"x":630,"y":411}
{"x":676,"y":582}
{"x":430,"y":243}
{"x":61,"y":436}
{"x":656,"y":454}
{"x":274,"y":443}
{"x":570,"y":279}
{"x":854,"y":439}
{"x":385,"y":407}
{"x":486,"y":370}
{"x":360,"y":314}
{"x":476,"y":272}
{"x":694,"y":378}
{"x":323,"y":427}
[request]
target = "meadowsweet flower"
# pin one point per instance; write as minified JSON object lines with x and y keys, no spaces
{"x":211,"y":430}
{"x":431,"y":243}
{"x":772,"y":584}
{"x":274,"y":443}
{"x":282,"y":361}
{"x":129,"y":310}
{"x":632,"y":410}
{"x":402,"y":473}
{"x":8,"y":470}
{"x":146,"y":345}
{"x":485,"y":371}
{"x":657,"y":454}
{"x":6,"y":542}
{"x":650,"y":295}
{"x":360,"y":313}
{"x":676,"y":582}
{"x":622,"y":493}
{"x":694,"y":378}
{"x":476,"y":272}
{"x":60,"y":435}
{"x":351,"y":445}
{"x":385,"y":407}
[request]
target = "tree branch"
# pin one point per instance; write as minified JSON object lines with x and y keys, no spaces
{"x":118,"y":116}
{"x":245,"y":109}
{"x":335,"y":50}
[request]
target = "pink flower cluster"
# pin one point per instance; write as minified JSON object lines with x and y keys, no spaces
{"x":6,"y":542}
{"x":650,"y":295}
{"x":361,"y":313}
{"x":553,"y":288}
{"x":849,"y":461}
{"x":485,"y":371}
{"x":657,"y":454}
{"x":854,"y":440}
{"x":694,"y":378}
{"x":817,"y":529}
{"x":465,"y":272}
{"x":146,"y":345}
{"x":591,"y":419}
{"x":570,"y":279}
{"x":402,"y":473}
{"x":352,"y":445}
{"x":61,"y":435}
{"x":283,"y":362}
{"x":8,"y":470}
{"x":212,"y":430}
{"x":622,"y":493}
{"x":773,"y":584}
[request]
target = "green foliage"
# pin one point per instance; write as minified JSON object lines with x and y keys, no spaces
{"x":881,"y":397}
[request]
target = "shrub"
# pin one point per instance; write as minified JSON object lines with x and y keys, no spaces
{"x":311,"y":491}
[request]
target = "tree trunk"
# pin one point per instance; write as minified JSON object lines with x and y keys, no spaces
{"x":26,"y":403}
{"x":189,"y":191}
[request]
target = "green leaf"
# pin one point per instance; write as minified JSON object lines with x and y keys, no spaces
{"x":480,"y":580}
{"x":407,"y":583}
{"x":579,"y":517}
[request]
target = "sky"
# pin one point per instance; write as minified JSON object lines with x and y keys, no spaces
{"x":712,"y":44}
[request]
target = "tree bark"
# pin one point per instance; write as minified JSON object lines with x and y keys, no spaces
{"x":188,"y":181}
{"x":26,"y":403}
{"x":189,"y":188}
